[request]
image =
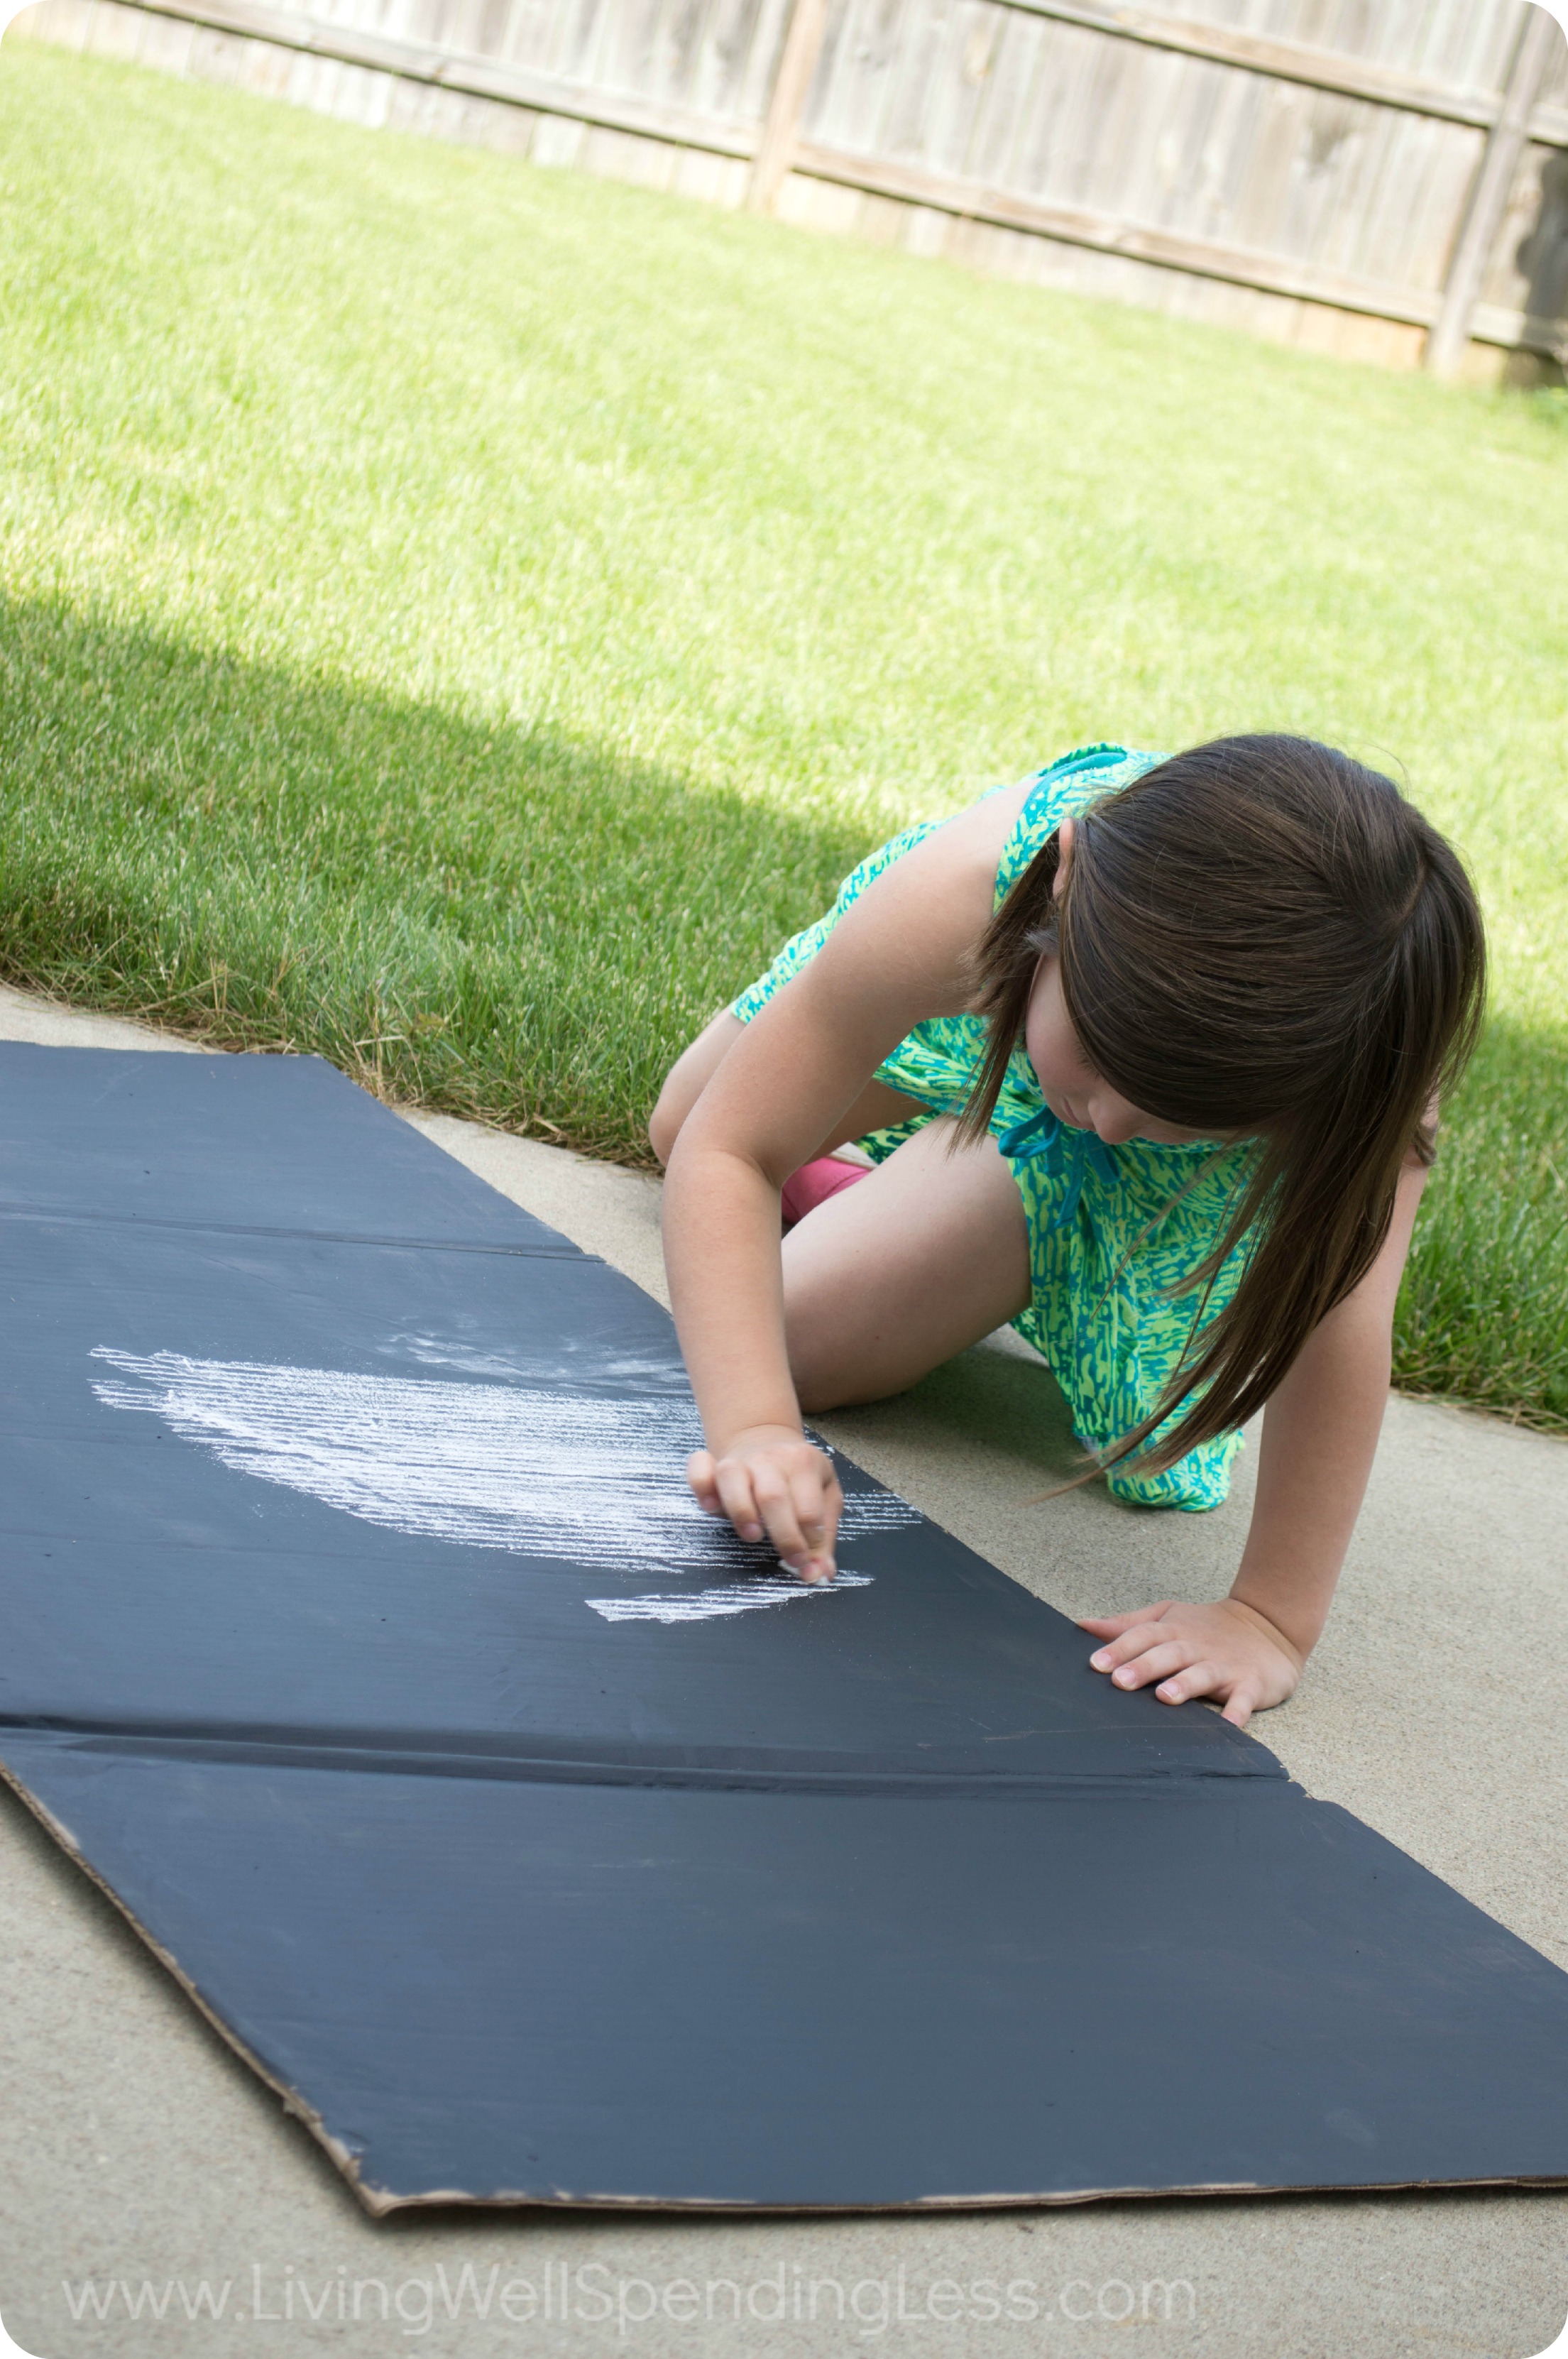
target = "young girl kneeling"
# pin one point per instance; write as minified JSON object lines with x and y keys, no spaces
{"x":1145,"y":1054}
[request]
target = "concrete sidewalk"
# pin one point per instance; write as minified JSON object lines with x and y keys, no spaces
{"x":134,"y":2147}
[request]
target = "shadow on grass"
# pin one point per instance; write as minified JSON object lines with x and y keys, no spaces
{"x":506,"y":923}
{"x":491,"y":918}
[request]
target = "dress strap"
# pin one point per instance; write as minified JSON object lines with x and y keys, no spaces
{"x":1067,"y":1153}
{"x":1070,"y":785}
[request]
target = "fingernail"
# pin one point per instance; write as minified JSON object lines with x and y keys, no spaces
{"x":1102,"y":1661}
{"x":1123,"y":1679}
{"x":751,"y":1531}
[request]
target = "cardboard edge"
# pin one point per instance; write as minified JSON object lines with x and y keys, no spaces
{"x":340,"y":2155}
{"x":381,"y":2202}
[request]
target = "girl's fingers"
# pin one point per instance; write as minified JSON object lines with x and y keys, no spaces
{"x":776,"y":1504}
{"x":817,"y":1501}
{"x":738,"y":1496}
{"x":1199,"y":1650}
{"x":825,"y":1484}
{"x":1154,"y":1663}
{"x":1198,"y":1678}
{"x":700,"y":1475}
{"x":811,"y":1510}
{"x":789,"y":1496}
{"x":1115,"y":1625}
{"x":1137,"y":1634}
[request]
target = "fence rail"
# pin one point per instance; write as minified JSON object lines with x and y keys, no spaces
{"x":1296,"y":62}
{"x":1421,"y":187}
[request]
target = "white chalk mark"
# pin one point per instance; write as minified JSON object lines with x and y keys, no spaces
{"x":709,"y":1604}
{"x":640,"y":1372}
{"x":582,"y":1478}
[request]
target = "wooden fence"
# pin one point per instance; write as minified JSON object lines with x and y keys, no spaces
{"x":1387,"y":179}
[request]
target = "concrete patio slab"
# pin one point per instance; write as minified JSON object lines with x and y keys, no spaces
{"x":137,"y":2151}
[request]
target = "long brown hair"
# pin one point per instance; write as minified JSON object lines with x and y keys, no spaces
{"x":1259,"y":936}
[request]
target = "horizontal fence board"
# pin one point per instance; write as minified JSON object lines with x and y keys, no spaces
{"x":483,"y":77}
{"x":711,"y":58}
{"x":1279,"y":157}
{"x":684,"y":59}
{"x":1142,"y":243}
{"x":1322,"y":68}
{"x":1199,"y":150}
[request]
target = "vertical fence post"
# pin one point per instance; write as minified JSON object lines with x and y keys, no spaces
{"x":1490,"y":194}
{"x":791,"y":87}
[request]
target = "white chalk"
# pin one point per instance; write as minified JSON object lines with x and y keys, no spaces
{"x":581,"y":1477}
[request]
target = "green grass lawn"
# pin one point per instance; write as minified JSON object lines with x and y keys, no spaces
{"x":457,"y":617}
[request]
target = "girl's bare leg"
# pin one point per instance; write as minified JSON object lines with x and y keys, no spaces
{"x":874,"y":1109}
{"x":925,"y":1256}
{"x":687,"y":1079}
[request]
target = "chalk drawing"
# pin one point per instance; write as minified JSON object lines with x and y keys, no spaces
{"x":582,"y":1478}
{"x":705,"y":1605}
{"x":576,"y":1364}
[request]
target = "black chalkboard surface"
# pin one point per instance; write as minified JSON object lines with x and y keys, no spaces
{"x":544,"y":1843}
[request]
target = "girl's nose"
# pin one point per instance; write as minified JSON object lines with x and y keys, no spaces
{"x":1115,"y":1121}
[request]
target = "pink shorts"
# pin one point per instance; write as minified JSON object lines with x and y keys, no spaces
{"x":813,"y":1184}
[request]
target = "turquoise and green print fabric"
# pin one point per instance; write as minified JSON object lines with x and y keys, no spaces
{"x":1116,"y":1232}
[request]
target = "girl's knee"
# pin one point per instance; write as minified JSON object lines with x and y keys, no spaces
{"x":687,"y":1079}
{"x":821,"y":1387}
{"x":809,"y":1344}
{"x":834,"y":1362}
{"x":664,"y":1123}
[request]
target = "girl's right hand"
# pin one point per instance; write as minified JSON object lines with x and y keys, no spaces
{"x":774,"y":1484}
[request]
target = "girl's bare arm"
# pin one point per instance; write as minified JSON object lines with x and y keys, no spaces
{"x":899,"y":955}
{"x":1319,"y":1435}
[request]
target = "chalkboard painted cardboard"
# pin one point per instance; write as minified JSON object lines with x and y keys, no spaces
{"x":543,"y":1843}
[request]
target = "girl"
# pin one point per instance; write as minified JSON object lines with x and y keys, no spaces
{"x":1146,"y":1056}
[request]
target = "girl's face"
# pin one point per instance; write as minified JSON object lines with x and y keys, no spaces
{"x":1072,"y":1088}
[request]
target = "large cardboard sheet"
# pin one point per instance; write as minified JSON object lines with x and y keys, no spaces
{"x":543,"y":1842}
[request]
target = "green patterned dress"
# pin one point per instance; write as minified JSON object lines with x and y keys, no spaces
{"x":1113,"y":1241}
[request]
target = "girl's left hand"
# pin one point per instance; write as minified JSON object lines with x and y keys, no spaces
{"x":1230,"y":1652}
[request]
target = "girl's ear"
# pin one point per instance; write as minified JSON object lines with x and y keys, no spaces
{"x":1063,"y":857}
